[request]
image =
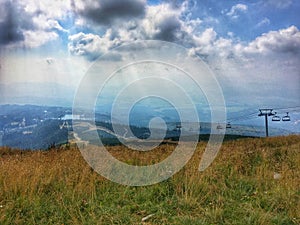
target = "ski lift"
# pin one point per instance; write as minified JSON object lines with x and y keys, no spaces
{"x":275,"y":117}
{"x":178,"y":126}
{"x":266,"y":112}
{"x":286,"y":118}
{"x":219,"y":127}
{"x":228,"y":125}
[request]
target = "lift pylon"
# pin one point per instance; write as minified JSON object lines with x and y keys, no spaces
{"x":266,"y":113}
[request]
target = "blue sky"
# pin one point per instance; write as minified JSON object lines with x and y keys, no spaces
{"x":253,"y":46}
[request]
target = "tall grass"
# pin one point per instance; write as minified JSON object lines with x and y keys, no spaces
{"x":58,"y":187}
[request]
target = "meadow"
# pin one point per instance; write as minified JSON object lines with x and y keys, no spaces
{"x":252,"y":181}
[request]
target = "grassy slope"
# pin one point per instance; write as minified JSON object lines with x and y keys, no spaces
{"x":58,"y":187}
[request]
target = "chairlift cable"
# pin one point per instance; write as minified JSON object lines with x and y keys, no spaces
{"x":254,"y":114}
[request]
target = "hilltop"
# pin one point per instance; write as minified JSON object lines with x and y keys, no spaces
{"x":252,"y":181}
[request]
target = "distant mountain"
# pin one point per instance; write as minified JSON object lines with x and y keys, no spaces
{"x":37,"y":94}
{"x":38,"y":127}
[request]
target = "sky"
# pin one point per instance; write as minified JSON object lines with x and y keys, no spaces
{"x":252,"y":47}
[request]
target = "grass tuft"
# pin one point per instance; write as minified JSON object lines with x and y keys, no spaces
{"x":240,"y":187}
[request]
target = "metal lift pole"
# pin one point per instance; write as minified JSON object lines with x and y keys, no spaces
{"x":266,"y":113}
{"x":266,"y":124}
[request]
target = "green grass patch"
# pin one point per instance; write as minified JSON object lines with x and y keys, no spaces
{"x":58,"y":187}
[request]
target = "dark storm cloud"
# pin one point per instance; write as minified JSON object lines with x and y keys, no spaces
{"x":13,"y":22}
{"x":169,"y":28}
{"x":107,"y":11}
{"x":10,"y":30}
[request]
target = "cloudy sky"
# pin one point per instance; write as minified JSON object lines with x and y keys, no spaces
{"x":253,"y":47}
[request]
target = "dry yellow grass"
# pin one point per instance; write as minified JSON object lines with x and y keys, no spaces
{"x":58,"y":187}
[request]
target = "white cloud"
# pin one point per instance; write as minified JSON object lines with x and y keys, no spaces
{"x":266,"y":64}
{"x":280,"y":4}
{"x":161,"y":22}
{"x":91,"y":45}
{"x":206,"y":38}
{"x":50,"y":9}
{"x":203,"y":43}
{"x":263,"y":22}
{"x":44,"y":23}
{"x":233,"y":13}
{"x":282,"y":41}
{"x":166,"y":22}
{"x":35,"y":39}
{"x":192,"y":25}
{"x":263,"y":60}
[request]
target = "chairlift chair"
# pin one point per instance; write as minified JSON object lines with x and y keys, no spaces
{"x":275,"y":117}
{"x":286,"y":118}
{"x":178,"y":126}
{"x":219,"y":127}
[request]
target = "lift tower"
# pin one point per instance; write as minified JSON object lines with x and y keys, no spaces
{"x":266,"y":113}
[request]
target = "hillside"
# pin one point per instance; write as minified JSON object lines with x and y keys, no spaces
{"x":252,"y":181}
